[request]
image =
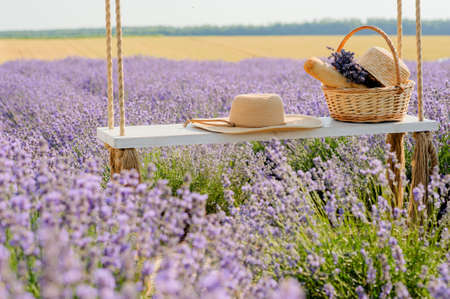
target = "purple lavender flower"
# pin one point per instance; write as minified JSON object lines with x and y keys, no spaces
{"x":289,"y":289}
{"x":361,"y":293}
{"x":104,"y":279}
{"x":401,"y":291}
{"x":439,"y":287}
{"x":314,"y":262}
{"x":371,"y":273}
{"x":386,"y":290}
{"x":86,"y":292}
{"x":397,"y":254}
{"x":329,"y":290}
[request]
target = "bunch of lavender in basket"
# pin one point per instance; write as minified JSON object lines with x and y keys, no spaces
{"x":345,"y":63}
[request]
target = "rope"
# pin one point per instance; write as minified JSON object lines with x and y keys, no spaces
{"x":424,"y":161}
{"x":109,"y":63}
{"x":425,"y":158}
{"x":120,"y":69}
{"x":396,"y":163}
{"x":395,"y":140}
{"x":419,"y":62}
{"x":399,"y":28}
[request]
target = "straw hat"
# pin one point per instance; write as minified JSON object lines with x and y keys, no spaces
{"x":251,"y":113}
{"x":379,"y":62}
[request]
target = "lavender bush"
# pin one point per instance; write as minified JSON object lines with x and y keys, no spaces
{"x":253,"y":220}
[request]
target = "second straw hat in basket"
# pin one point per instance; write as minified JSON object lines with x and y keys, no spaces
{"x":388,"y":103}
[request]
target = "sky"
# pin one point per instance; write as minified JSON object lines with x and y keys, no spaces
{"x":60,"y":14}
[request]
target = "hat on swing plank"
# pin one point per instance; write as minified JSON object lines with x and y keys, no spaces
{"x":252,"y":113}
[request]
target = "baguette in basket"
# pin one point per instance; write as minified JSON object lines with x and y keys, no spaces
{"x":327,"y":74}
{"x":382,"y":91}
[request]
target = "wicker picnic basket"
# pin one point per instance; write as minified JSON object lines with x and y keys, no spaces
{"x":378,"y":104}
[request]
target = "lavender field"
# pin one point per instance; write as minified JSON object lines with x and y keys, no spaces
{"x":280,"y":219}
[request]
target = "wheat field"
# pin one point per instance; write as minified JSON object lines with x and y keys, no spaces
{"x":229,"y":48}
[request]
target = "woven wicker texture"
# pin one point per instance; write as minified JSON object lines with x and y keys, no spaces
{"x":380,"y":64}
{"x":370,"y":104}
{"x":388,"y":103}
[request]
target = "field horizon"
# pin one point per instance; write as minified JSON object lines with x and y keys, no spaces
{"x":227,"y":48}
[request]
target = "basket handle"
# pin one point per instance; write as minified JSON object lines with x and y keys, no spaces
{"x":386,"y":38}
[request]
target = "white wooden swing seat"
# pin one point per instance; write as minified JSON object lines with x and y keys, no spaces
{"x":123,"y":145}
{"x":177,"y":134}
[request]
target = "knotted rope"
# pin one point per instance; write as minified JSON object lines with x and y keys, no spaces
{"x":425,"y":157}
{"x":396,"y":166}
{"x":395,"y":140}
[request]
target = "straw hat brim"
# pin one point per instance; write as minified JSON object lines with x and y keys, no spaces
{"x":293,"y":122}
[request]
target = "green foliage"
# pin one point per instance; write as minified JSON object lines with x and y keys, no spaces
{"x":321,"y":27}
{"x":345,"y":248}
{"x":302,"y":156}
{"x":177,"y":168}
{"x":444,"y":155}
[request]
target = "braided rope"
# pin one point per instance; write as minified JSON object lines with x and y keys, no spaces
{"x":424,"y":162}
{"x":109,"y":63}
{"x":396,"y":162}
{"x":120,"y":69}
{"x":425,"y":158}
{"x":399,"y":28}
{"x":419,"y":62}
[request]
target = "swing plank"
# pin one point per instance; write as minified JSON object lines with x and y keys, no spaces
{"x":176,"y":134}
